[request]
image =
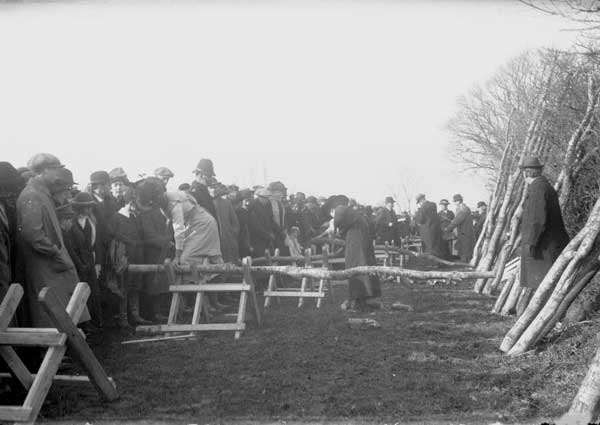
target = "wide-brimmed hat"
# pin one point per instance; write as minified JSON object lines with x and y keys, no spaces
{"x":41,"y":161}
{"x":263,"y":193}
{"x":205,"y":166}
{"x":99,"y":177}
{"x":64,"y":180}
{"x":531,"y":162}
{"x":444,"y":202}
{"x":83,"y":199}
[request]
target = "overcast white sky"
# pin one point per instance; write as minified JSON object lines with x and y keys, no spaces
{"x":330,"y":97}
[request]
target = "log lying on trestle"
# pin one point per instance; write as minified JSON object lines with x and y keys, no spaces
{"x":299,"y":272}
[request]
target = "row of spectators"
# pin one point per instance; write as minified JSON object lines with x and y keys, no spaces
{"x":53,"y":235}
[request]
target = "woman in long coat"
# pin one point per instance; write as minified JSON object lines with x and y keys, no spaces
{"x":229,"y":226}
{"x":430,"y":229}
{"x":157,"y":239}
{"x":359,"y":252}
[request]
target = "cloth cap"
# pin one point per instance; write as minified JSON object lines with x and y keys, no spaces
{"x":300,"y":196}
{"x":41,"y":161}
{"x":457,"y":198}
{"x":163,"y":172}
{"x":531,"y":162}
{"x":481,"y":204}
{"x":118,"y":174}
{"x":99,"y":177}
{"x":389,"y":200}
{"x":184,"y":186}
{"x":83,"y":199}
{"x":419,"y":197}
{"x":444,"y":202}
{"x":205,"y":166}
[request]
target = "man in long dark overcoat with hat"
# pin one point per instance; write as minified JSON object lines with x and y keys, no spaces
{"x":430,"y":229}
{"x":543,"y":234}
{"x":41,"y":245}
{"x":386,"y":224}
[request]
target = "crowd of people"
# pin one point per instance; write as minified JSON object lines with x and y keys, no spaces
{"x":52,"y":234}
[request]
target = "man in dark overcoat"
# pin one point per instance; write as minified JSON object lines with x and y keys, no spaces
{"x":446,"y":217}
{"x":430,"y":230}
{"x":463,"y":223}
{"x":262,"y":225}
{"x":41,"y":246}
{"x":386,"y":224}
{"x":543,"y":233}
{"x":243,"y":214}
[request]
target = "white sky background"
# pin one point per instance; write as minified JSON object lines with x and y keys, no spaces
{"x":333,"y":97}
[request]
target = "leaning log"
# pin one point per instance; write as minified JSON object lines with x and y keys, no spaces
{"x":299,"y":272}
{"x":542,"y":293}
{"x":584,"y":404}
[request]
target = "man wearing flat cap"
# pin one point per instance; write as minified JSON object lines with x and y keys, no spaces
{"x":428,"y":222}
{"x":480,"y":219}
{"x":386,"y":224}
{"x":42,"y":248}
{"x":205,"y":173}
{"x":542,"y":229}
{"x":282,"y":214}
{"x":164,"y":174}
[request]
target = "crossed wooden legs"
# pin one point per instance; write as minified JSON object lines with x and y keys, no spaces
{"x":66,"y":334}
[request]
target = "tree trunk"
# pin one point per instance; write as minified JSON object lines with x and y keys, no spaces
{"x":583,"y":407}
{"x":503,"y":294}
{"x":582,"y":300}
{"x":532,"y":332}
{"x":541,"y":294}
{"x":510,"y":305}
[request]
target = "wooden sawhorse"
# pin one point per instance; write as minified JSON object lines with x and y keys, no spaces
{"x":66,"y":334}
{"x":245,"y":289}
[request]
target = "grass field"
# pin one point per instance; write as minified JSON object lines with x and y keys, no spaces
{"x":437,"y":364}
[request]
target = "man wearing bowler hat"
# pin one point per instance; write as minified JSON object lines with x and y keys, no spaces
{"x":543,"y":234}
{"x":386,"y":224}
{"x":428,"y":222}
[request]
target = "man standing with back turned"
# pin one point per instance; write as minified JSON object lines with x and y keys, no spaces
{"x":542,"y":230}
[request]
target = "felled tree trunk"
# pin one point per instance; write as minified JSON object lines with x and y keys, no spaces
{"x":582,"y":299}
